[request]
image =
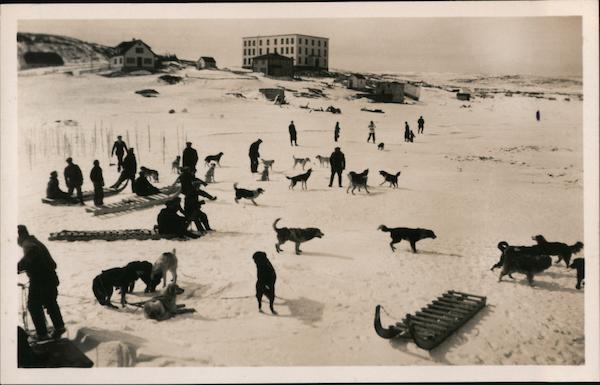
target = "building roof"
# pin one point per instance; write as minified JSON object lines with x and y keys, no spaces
{"x":358,"y":76}
{"x":208,"y":59}
{"x":284,"y":34}
{"x":123,"y":47}
{"x":272,"y":56}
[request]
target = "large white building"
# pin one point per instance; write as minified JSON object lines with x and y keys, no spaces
{"x":310,"y":52}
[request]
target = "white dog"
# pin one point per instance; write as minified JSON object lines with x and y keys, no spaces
{"x":166,"y":262}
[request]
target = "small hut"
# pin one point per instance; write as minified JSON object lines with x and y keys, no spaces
{"x":273,"y":64}
{"x":206,"y":62}
{"x":463,"y":95}
{"x":357,"y":82}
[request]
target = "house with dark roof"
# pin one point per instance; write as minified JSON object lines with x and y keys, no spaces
{"x":206,"y":62}
{"x":273,"y":64}
{"x":357,"y":82}
{"x":132,"y":55}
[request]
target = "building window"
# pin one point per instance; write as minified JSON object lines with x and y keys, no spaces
{"x":312,"y":42}
{"x":324,"y":52}
{"x":245,"y":43}
{"x":292,"y":40}
{"x":306,"y":41}
{"x":267,"y":49}
{"x":139,"y":50}
{"x":291,"y":49}
{"x":253,"y":51}
{"x":275,"y":41}
{"x":306,"y":51}
{"x":260,"y":51}
{"x":147,"y":61}
{"x":275,"y":49}
{"x":281,"y":40}
{"x":324,"y":44}
{"x":260,"y":42}
{"x":287,"y":50}
{"x":267,"y":41}
{"x":287,"y":41}
{"x":130,"y":60}
{"x":319,"y":43}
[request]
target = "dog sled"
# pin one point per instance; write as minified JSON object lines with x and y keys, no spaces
{"x":430,"y":326}
{"x":49,"y":353}
{"x":113,"y":235}
{"x":137,"y":203}
{"x":87,"y":196}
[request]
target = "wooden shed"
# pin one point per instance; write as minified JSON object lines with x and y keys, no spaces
{"x":273,"y":64}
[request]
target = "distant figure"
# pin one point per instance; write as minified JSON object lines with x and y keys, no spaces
{"x":190,"y":156}
{"x":129,"y":170}
{"x":53,"y":191}
{"x":119,"y":148}
{"x":406,"y":133}
{"x":411,"y":136}
{"x":336,"y":131}
{"x":193,"y":212}
{"x":421,"y":124}
{"x":337,"y":162}
{"x":371,"y":132}
{"x":143,"y":187}
{"x":254,"y":155}
{"x":292,"y":129}
{"x":74,"y":179}
{"x":43,"y":282}
{"x":171,"y":224}
{"x":537,"y":115}
{"x":98,"y":182}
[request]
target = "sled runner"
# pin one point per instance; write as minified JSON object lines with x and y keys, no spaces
{"x":87,"y":196}
{"x":430,"y":326}
{"x":49,"y":353}
{"x":110,"y":235}
{"x":137,"y":203}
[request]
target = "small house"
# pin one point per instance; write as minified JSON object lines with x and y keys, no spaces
{"x":357,"y":82}
{"x":388,"y":92}
{"x":133,"y":55}
{"x":206,"y":62}
{"x":273,"y":64}
{"x":462,"y":95}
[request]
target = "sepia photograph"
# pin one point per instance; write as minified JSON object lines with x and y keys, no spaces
{"x":293,"y":192}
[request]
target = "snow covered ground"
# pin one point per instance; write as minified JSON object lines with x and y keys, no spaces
{"x":477,"y":176}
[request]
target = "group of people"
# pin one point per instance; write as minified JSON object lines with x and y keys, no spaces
{"x":409,"y":135}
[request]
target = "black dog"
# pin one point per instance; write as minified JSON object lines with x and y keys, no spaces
{"x":242,"y":193}
{"x":265,"y":279}
{"x":579,"y":264}
{"x":380,"y":146}
{"x":501,"y":246}
{"x":145,"y":268}
{"x":392,"y":179}
{"x":562,"y":250}
{"x":213,"y":158}
{"x":408,"y":234}
{"x":121,"y":278}
{"x":300,"y":178}
{"x":528,"y":260}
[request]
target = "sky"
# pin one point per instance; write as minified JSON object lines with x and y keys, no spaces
{"x":544,"y":46}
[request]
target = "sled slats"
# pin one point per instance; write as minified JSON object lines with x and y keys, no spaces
{"x":430,"y":326}
{"x":137,"y":203}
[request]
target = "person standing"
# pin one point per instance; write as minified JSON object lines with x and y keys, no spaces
{"x":119,"y":148}
{"x":421,"y":123}
{"x":254,"y":155}
{"x":293,"y":137}
{"x":129,"y":170}
{"x":406,"y":132}
{"x":74,"y":179}
{"x":537,"y":115}
{"x":337,"y":161}
{"x":371,"y":132}
{"x":336,"y":131}
{"x":43,"y":282}
{"x":189,"y":157}
{"x":98,"y":181}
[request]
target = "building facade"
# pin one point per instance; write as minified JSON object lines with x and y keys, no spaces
{"x":306,"y":52}
{"x":273,"y":64}
{"x":134,"y":54}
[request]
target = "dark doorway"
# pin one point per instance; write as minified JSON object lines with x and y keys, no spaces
{"x":139,"y":61}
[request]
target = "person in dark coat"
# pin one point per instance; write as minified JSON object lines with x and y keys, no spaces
{"x":43,"y":282}
{"x":143,"y":187}
{"x":336,"y":131}
{"x":193,"y":212}
{"x":254,"y":155}
{"x":119,"y":148}
{"x":129,"y":170}
{"x":411,"y":136}
{"x":337,"y":161}
{"x":74,"y":179}
{"x":98,"y":181}
{"x":537,"y":115}
{"x":171,"y":224}
{"x":191,"y":184}
{"x":293,"y":137}
{"x":53,"y":191}
{"x":421,"y":125}
{"x":189,"y":157}
{"x":406,"y":132}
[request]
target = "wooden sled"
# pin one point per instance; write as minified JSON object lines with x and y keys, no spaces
{"x":112,"y":235}
{"x":87,"y":196}
{"x":430,"y":326}
{"x":137,"y":203}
